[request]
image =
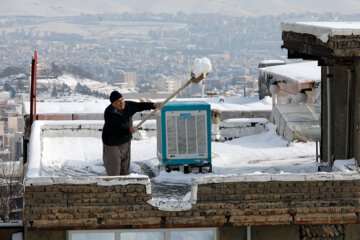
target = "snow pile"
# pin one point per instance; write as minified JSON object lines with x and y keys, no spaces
{"x":348,"y":165}
{"x":200,"y":66}
{"x":165,"y":204}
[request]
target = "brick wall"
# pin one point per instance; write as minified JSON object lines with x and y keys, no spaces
{"x":93,"y":206}
{"x":267,"y":203}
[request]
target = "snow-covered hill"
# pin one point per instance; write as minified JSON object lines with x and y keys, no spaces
{"x":71,"y":81}
{"x":226,"y":7}
{"x":45,"y":87}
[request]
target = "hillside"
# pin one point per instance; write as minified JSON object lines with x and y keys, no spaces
{"x":226,"y":7}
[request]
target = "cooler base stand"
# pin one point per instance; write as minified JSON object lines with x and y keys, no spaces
{"x":190,"y":168}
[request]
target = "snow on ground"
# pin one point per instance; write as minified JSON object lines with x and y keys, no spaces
{"x":256,"y":154}
{"x":261,"y":153}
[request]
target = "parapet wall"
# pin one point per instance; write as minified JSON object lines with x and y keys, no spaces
{"x":216,"y":202}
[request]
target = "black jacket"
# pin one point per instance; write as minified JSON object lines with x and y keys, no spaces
{"x":117,"y":124}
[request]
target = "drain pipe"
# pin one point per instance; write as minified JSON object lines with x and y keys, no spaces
{"x":348,"y":113}
{"x":329,"y":76}
{"x":248,"y":233}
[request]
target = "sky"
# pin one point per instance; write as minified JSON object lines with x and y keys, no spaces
{"x":226,"y":7}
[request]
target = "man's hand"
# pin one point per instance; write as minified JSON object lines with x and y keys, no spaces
{"x":133,"y":129}
{"x":158,"y":105}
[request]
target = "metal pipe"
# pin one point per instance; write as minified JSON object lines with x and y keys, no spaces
{"x":329,"y":135}
{"x":317,"y":152}
{"x":248,"y":233}
{"x":348,"y":114}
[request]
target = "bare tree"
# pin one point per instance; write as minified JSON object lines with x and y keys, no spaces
{"x":11,"y":175}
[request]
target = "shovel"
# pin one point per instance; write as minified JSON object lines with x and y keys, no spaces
{"x":192,"y":80}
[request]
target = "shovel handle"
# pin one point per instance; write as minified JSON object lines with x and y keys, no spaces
{"x":163,"y":103}
{"x":192,"y":79}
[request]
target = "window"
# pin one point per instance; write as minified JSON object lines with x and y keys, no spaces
{"x":144,"y":234}
{"x":93,"y":236}
{"x":198,"y":235}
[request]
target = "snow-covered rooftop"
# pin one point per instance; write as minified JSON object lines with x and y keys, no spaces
{"x":71,"y":152}
{"x":323,"y":30}
{"x":74,"y":148}
{"x":272,"y":61}
{"x":98,"y":106}
{"x":302,"y":72}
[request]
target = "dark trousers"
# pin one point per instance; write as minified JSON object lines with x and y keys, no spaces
{"x":117,"y":159}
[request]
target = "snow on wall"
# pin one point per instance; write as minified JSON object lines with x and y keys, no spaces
{"x":241,"y":127}
{"x":323,"y":30}
{"x":302,"y":72}
{"x":272,"y":61}
{"x":101,"y":181}
{"x":320,"y":176}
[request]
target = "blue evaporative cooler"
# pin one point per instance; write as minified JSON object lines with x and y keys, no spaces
{"x":184,"y":136}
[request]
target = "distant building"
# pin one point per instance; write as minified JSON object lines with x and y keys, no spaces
{"x":5,"y":95}
{"x":127,"y":79}
{"x":241,"y":79}
{"x":170,"y":85}
{"x":264,"y":82}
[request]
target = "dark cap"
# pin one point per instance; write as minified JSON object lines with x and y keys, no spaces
{"x":115,"y":95}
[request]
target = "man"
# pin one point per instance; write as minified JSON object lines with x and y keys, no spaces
{"x":117,"y":132}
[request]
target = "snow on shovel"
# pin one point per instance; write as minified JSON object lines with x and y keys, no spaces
{"x":201,"y":68}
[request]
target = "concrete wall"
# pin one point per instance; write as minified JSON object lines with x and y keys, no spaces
{"x":231,"y":233}
{"x":352,"y":231}
{"x":245,"y":114}
{"x":275,"y":233}
{"x":339,"y":97}
{"x":45,"y":235}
